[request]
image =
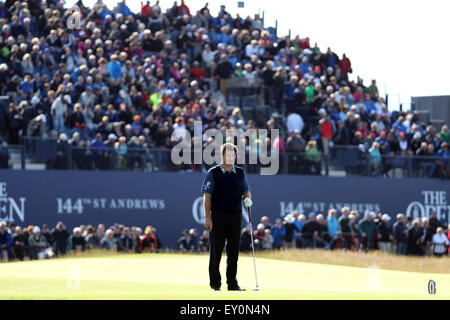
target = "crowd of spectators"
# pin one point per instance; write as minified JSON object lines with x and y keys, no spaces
{"x":349,"y":231}
{"x":121,"y":83}
{"x":34,"y":242}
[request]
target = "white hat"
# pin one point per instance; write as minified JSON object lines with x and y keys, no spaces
{"x":3,"y":67}
{"x":63,"y":136}
{"x":385,"y":217}
{"x":35,"y":100}
{"x":289,"y":218}
{"x":36,"y":229}
{"x":112,"y":136}
{"x":260,"y":226}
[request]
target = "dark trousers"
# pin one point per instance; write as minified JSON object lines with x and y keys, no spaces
{"x":225,"y":227}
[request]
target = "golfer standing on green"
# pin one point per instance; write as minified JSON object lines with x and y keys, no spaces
{"x":224,"y":188}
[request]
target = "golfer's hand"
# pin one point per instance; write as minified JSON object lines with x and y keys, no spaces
{"x":248,"y":202}
{"x":208,"y":224}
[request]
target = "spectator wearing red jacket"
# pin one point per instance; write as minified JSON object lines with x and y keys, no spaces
{"x":358,"y":96}
{"x":304,"y":43}
{"x":146,"y":11}
{"x":363,"y":129}
{"x":183,"y":9}
{"x":326,"y":130}
{"x":197,"y":72}
{"x":345,"y":65}
{"x":149,"y":242}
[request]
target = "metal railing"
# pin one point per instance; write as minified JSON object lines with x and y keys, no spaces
{"x":39,"y":154}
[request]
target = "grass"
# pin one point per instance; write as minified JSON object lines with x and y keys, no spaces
{"x":282,"y":275}
{"x":360,"y":259}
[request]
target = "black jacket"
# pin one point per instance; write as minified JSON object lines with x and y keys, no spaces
{"x":224,"y":69}
{"x":434,"y":224}
{"x":343,"y":136}
{"x":125,"y":244}
{"x":291,"y":228}
{"x":185,"y":244}
{"x":309,"y":228}
{"x":60,"y":239}
{"x":78,"y":241}
{"x":385,"y":230}
{"x":203,"y":242}
{"x":246,"y":242}
{"x":414,"y":235}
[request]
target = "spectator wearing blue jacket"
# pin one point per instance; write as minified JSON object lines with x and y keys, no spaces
{"x":399,"y":125}
{"x":299,"y":222}
{"x":369,"y":104}
{"x":332,"y":58}
{"x":123,"y":9}
{"x":289,"y":90}
{"x":104,"y":13}
{"x":305,"y":65}
{"x":224,"y":36}
{"x":114,"y":68}
{"x":2,"y":10}
{"x":443,"y":162}
{"x":137,"y":124}
{"x":400,"y":234}
{"x":79,"y":71}
{"x":278,"y":232}
{"x":375,"y":158}
{"x":332,"y":223}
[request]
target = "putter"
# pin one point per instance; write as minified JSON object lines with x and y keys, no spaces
{"x":253,"y":247}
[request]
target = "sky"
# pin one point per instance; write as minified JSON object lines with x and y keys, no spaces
{"x":402,"y":44}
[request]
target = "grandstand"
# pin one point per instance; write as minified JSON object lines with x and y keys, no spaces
{"x":163,"y":65}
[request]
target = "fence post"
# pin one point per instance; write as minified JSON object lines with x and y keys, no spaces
{"x":286,"y":162}
{"x":22,"y":157}
{"x":327,"y":164}
{"x":276,"y":28}
{"x":409,"y":167}
{"x":69,"y":158}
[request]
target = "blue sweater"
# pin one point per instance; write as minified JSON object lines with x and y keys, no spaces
{"x":278,"y":235}
{"x":333,"y":226}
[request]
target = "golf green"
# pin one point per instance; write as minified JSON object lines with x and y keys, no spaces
{"x":185,"y":276}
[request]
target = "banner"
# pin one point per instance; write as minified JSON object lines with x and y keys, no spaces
{"x":171,"y":202}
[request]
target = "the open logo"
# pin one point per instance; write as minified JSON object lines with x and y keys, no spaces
{"x":432,"y":287}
